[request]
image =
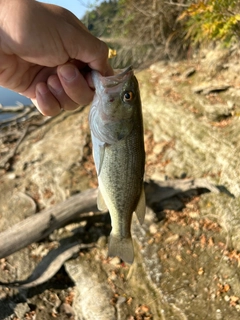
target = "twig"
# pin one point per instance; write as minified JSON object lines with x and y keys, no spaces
{"x":49,"y":265}
{"x":9,"y":157}
{"x":177,"y":4}
{"x":26,"y":111}
{"x":12,"y":108}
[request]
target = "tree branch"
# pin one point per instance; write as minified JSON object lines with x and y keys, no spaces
{"x":39,"y":226}
{"x":42,"y":224}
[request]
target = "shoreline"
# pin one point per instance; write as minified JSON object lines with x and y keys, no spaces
{"x":18,"y":113}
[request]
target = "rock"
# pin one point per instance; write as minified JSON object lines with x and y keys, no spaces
{"x":189,"y":72}
{"x":67,"y":310}
{"x":187,"y":251}
{"x":207,"y":88}
{"x":218,"y":112}
{"x":14,"y":206}
{"x":21,"y":309}
{"x":216,"y":60}
{"x":50,"y":180}
{"x":92,"y":295}
{"x":115,"y":261}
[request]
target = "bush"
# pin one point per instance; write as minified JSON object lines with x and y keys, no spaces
{"x":150,"y":29}
{"x":213,"y":20}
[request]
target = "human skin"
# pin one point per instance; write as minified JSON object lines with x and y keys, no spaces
{"x":47,"y":54}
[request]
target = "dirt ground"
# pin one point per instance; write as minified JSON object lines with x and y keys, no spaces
{"x":187,"y":251}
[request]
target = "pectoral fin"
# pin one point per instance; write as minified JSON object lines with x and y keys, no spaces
{"x":100,"y":202}
{"x":98,"y":153}
{"x":141,"y":207}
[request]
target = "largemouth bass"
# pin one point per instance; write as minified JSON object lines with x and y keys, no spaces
{"x":118,"y":149}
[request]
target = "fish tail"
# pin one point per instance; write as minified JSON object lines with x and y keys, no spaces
{"x":121,"y":247}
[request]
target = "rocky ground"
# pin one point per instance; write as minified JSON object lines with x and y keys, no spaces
{"x":187,"y":251}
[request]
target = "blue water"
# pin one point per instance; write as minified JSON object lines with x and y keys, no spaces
{"x":10,"y":98}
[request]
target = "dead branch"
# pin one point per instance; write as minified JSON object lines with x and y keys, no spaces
{"x":157,"y":191}
{"x":26,"y":111}
{"x":8,"y":158}
{"x":18,"y":108}
{"x":49,"y":265}
{"x":39,"y":226}
{"x":42,"y":224}
{"x":177,"y":4}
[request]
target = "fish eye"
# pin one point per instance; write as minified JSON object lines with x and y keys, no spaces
{"x":128,"y":96}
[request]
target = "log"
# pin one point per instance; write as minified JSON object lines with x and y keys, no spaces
{"x":39,"y":226}
{"x":42,"y":224}
{"x":49,"y":265}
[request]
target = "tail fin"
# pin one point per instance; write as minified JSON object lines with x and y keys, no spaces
{"x":123,"y":248}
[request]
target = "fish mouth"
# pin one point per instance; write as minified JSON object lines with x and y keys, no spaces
{"x":119,"y":77}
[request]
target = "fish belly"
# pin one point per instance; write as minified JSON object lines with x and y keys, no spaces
{"x":120,"y":184}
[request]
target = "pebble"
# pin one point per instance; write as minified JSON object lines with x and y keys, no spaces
{"x":218,"y":314}
{"x":67,"y":309}
{"x":153,"y":228}
{"x":115,"y":261}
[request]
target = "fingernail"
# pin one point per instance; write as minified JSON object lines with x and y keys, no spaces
{"x":68,"y":72}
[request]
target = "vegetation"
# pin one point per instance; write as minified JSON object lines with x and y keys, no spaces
{"x":213,"y":20}
{"x":148,"y":30}
{"x":153,"y":24}
{"x":99,"y":20}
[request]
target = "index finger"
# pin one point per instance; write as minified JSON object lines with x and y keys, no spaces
{"x":85,"y":47}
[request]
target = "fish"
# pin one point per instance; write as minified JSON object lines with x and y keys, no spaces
{"x":117,"y":133}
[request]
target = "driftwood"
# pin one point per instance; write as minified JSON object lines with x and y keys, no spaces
{"x":28,"y":113}
{"x":157,"y":191}
{"x":17,"y":117}
{"x":18,"y":108}
{"x":42,"y":224}
{"x":39,"y":226}
{"x":49,"y":265}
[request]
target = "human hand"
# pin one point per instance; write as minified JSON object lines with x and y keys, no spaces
{"x":46,"y":54}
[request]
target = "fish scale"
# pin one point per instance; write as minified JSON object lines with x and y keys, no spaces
{"x":118,"y":149}
{"x":121,"y":174}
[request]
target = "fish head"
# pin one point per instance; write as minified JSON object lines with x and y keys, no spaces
{"x":119,"y":96}
{"x":117,"y":100}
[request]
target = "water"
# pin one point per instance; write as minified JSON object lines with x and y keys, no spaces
{"x":10,"y":98}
